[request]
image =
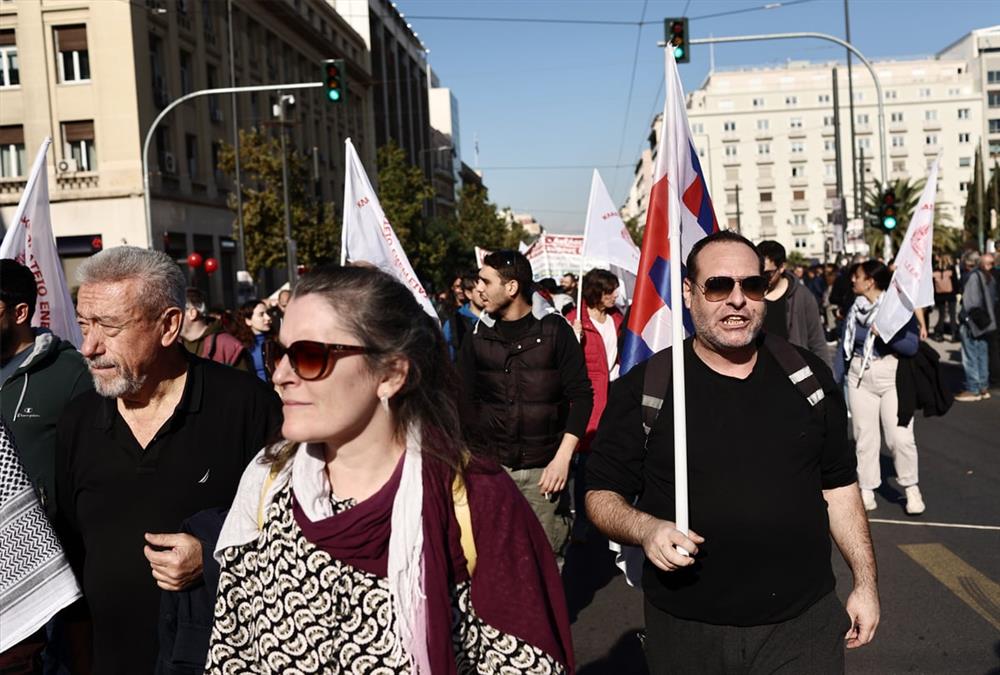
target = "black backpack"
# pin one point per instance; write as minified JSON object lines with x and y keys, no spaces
{"x":659,"y":370}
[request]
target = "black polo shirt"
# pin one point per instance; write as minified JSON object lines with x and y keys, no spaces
{"x":114,"y":491}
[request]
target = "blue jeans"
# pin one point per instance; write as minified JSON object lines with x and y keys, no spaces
{"x":975,"y":360}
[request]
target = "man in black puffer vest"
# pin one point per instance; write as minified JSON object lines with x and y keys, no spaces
{"x":527,"y":396}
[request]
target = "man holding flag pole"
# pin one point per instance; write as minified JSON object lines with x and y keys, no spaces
{"x":772,"y":473}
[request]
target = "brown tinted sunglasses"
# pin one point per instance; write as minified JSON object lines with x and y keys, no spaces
{"x":310,"y":360}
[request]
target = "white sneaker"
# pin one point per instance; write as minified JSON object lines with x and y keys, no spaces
{"x":868,"y":497}
{"x":914,"y":501}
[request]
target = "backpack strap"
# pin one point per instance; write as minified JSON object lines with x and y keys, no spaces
{"x":464,"y":517}
{"x":655,"y":383}
{"x":211,"y":349}
{"x":795,"y":367}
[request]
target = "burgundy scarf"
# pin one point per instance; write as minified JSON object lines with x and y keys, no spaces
{"x":516,"y":586}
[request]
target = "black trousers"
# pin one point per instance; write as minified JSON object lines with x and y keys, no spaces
{"x":810,"y":643}
{"x":993,"y":347}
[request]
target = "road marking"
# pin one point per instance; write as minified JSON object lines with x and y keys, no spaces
{"x":971,"y":586}
{"x":961,"y":526}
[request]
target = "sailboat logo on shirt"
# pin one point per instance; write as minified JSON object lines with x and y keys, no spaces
{"x":204,"y":479}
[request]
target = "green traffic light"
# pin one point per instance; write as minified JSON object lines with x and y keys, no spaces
{"x":889,"y":223}
{"x":333,"y":95}
{"x":678,"y":53}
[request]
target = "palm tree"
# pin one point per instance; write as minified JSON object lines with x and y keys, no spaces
{"x":946,"y":239}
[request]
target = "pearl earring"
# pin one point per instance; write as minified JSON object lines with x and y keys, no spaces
{"x":385,"y":402}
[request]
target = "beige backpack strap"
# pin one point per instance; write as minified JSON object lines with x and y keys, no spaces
{"x":464,"y":517}
{"x":268,"y":482}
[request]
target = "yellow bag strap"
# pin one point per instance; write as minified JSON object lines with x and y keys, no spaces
{"x":464,"y":517}
{"x":268,"y":482}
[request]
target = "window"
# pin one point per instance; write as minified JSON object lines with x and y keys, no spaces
{"x":765,"y":196}
{"x":993,"y":76}
{"x":78,"y":144}
{"x":798,"y":147}
{"x":829,"y":145}
{"x":729,"y":126}
{"x":764,"y":171}
{"x":796,"y":123}
{"x":955,"y":91}
{"x":732,"y":173}
{"x":800,"y":242}
{"x":896,"y":117}
{"x":766,"y":222}
{"x":697,"y":128}
{"x":994,"y":129}
{"x":798,"y":171}
{"x":763,"y":149}
{"x":10,"y":73}
{"x":859,"y":96}
{"x":899,"y":166}
{"x":862,"y":119}
{"x":993,"y":99}
{"x":791,"y":100}
{"x":734,"y":222}
{"x":799,"y":219}
{"x":730,"y":196}
{"x":964,"y":137}
{"x":898,"y":140}
{"x":994,"y":148}
{"x":925,"y":92}
{"x":963,"y":186}
{"x":798,"y":195}
{"x":864,"y":144}
{"x":964,"y":113}
{"x":830,"y":170}
{"x":930,"y":139}
{"x":731,"y":150}
{"x":930,"y":115}
{"x":828,"y":120}
{"x":831,"y":192}
{"x":186,"y":87}
{"x":12,"y":156}
{"x":890,"y":94}
{"x":965,"y":162}
{"x":74,"y":61}
{"x":191,"y":152}
{"x":758,"y":103}
{"x":763,"y":125}
{"x":823,"y":98}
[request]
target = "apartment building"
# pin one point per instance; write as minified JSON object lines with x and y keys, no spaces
{"x":93,"y":74}
{"x":765,"y":138}
{"x":981,"y":48}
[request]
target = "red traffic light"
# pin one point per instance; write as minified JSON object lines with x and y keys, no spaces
{"x":677,"y":28}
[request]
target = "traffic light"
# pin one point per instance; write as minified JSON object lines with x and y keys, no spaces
{"x":677,"y":37}
{"x":334,"y":80}
{"x":887,"y":210}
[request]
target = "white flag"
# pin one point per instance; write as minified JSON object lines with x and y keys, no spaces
{"x":30,"y":242}
{"x":605,"y":236}
{"x":367,"y":234}
{"x":912,"y":286}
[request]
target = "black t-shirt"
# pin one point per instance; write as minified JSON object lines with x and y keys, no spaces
{"x":759,"y":458}
{"x":776,"y":318}
{"x":112,"y":491}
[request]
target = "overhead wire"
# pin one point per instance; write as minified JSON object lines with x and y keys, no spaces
{"x":631,"y":88}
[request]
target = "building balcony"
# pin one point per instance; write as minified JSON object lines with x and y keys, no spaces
{"x":827,"y":131}
{"x":769,"y":232}
{"x":765,"y":159}
{"x":763,"y":136}
{"x":730,"y":136}
{"x":932,"y":125}
{"x":81,"y":180}
{"x":730,"y":208}
{"x":932,"y":149}
{"x":730,"y":161}
{"x":732,"y":184}
{"x":798,"y":158}
{"x":797,"y":133}
{"x":798,"y":181}
{"x":829,"y":156}
{"x":800,"y":205}
{"x":13,"y":186}
{"x":897,"y":126}
{"x":767,"y":207}
{"x":765,"y":183}
{"x":862,"y":129}
{"x":829,"y":180}
{"x":898,"y":152}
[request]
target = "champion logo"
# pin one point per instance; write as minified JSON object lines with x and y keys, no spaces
{"x":204,"y":479}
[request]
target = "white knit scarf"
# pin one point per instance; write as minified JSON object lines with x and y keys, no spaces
{"x":863,"y":312}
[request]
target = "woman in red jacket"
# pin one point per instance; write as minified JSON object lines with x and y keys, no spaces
{"x":597,"y":329}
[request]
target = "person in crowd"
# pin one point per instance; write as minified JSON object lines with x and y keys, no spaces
{"x":206,"y":338}
{"x":526,"y":388}
{"x":772,"y":478}
{"x":842,"y":297}
{"x":559,"y":299}
{"x":598,"y":329}
{"x":464,"y":319}
{"x":987,"y":263}
{"x":165,"y":435}
{"x":253,"y":325}
{"x":872,"y":389}
{"x":284,"y":295}
{"x":977,"y":320}
{"x":368,"y":539}
{"x":40,"y":373}
{"x":569,"y":284}
{"x":792,"y":312}
{"x":945,"y":296}
{"x":37,"y":580}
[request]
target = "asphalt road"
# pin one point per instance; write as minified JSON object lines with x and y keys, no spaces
{"x":938,"y":585}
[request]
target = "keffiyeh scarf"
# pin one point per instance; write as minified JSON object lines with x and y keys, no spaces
{"x":862,"y":312}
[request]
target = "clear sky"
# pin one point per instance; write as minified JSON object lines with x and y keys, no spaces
{"x":557,"y":95}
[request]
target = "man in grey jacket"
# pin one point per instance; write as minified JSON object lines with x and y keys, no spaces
{"x":977,"y":321}
{"x":792,"y":311}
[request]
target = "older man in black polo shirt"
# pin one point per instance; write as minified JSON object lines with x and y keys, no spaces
{"x":165,"y":435}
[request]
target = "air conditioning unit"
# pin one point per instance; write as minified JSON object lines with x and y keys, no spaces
{"x":216,"y":114}
{"x":169,"y":163}
{"x":67,"y":166}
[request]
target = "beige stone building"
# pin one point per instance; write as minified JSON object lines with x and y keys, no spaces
{"x":765,"y":136}
{"x":93,"y":74}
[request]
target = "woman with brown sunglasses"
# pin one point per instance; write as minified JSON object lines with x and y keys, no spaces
{"x":370,"y":540}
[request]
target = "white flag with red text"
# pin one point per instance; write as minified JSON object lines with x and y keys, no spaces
{"x":30,"y":242}
{"x":912,"y":285}
{"x":605,"y":236}
{"x":367,"y":234}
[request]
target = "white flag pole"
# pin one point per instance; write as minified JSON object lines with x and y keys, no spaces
{"x":583,"y":246}
{"x":348,"y":199}
{"x":670,"y":125}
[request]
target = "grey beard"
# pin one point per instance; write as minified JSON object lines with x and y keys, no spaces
{"x":123,"y":384}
